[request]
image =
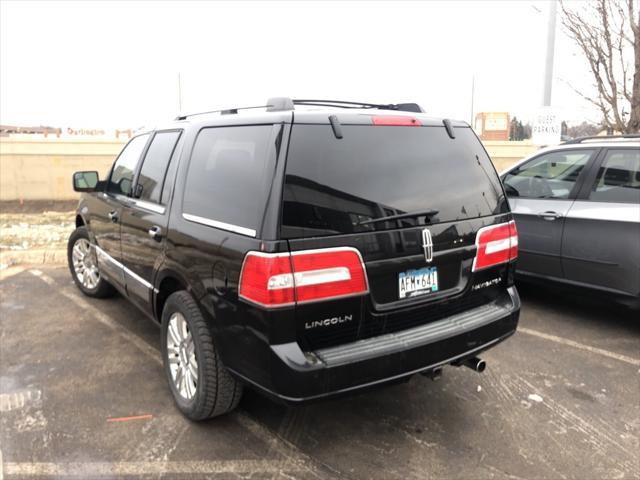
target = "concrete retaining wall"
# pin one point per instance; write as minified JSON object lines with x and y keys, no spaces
{"x":41,"y":168}
{"x":505,"y":154}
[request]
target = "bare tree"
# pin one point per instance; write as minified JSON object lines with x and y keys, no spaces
{"x":585,"y":129}
{"x":608,"y":33}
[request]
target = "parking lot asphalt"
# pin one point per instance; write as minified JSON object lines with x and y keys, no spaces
{"x":82,"y":394}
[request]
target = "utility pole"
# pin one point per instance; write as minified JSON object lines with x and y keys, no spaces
{"x":179,"y":94}
{"x":473,"y":91}
{"x":551,"y":41}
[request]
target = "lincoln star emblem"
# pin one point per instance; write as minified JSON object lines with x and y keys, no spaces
{"x":427,"y":245}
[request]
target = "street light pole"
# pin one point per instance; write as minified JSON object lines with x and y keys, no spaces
{"x":473,"y":91}
{"x":179,"y":94}
{"x":551,"y":40}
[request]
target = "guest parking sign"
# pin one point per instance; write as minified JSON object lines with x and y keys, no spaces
{"x":546,"y":128}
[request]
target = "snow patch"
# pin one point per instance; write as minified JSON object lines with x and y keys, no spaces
{"x":534,"y":397}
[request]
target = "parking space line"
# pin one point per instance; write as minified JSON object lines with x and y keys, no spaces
{"x":285,"y":448}
{"x":110,"y":469}
{"x":11,"y":271}
{"x":581,"y":346}
{"x":102,"y":318}
{"x":294,"y":457}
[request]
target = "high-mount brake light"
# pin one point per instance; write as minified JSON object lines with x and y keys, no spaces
{"x":283,"y":279}
{"x":496,"y":244}
{"x":396,"y":121}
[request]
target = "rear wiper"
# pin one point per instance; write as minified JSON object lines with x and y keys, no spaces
{"x":422,"y":213}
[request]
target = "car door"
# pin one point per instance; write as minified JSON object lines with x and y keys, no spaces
{"x":601,"y":241}
{"x":106,"y":209}
{"x":540,"y":193}
{"x":145,"y":216}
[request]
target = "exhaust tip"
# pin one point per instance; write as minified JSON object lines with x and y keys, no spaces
{"x":476,"y":364}
{"x":480,"y":366}
{"x":434,"y":374}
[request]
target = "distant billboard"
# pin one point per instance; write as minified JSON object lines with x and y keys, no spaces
{"x":492,"y":125}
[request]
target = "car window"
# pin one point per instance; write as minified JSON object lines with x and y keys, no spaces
{"x":122,"y":173}
{"x":337,"y":186}
{"x":154,"y":166}
{"x":551,"y":175}
{"x":170,"y":176}
{"x":230,"y":174}
{"x":618,"y":178}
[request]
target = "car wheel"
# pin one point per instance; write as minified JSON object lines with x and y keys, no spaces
{"x":201,"y":386}
{"x":83,"y":265}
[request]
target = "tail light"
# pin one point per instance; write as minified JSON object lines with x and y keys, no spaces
{"x":496,"y":244}
{"x":283,"y":279}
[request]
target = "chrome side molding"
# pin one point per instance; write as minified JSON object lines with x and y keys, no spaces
{"x":105,"y":256}
{"x":249,"y":232}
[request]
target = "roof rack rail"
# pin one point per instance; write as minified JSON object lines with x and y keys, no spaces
{"x":280,"y":104}
{"x":224,"y":111}
{"x":604,"y":138}
{"x":404,"y":107}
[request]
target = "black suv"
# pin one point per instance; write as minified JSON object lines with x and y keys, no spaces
{"x":304,"y":252}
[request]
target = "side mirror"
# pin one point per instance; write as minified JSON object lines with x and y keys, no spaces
{"x":85,"y":181}
{"x":510,"y":190}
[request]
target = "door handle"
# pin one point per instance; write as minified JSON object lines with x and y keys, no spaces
{"x":113,"y":216}
{"x":550,"y":216}
{"x":155,"y":232}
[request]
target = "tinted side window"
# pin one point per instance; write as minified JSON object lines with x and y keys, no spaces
{"x":230,"y":174}
{"x":618,"y":178}
{"x":122,"y":173}
{"x":155,"y":164}
{"x":551,"y":175}
{"x":170,"y":176}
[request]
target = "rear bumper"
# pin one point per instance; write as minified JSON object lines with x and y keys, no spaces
{"x":298,"y":377}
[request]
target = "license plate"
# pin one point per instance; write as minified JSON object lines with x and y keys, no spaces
{"x":418,"y":282}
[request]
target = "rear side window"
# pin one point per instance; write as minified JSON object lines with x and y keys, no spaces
{"x":230,"y":174}
{"x":618,"y":179}
{"x":121,"y":178}
{"x":336,"y":186}
{"x":154,"y":167}
{"x":551,"y":175}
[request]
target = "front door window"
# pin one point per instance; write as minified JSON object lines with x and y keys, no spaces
{"x":552,"y":175}
{"x":122,"y":174}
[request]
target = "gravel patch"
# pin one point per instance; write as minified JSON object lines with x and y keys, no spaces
{"x":43,"y":234}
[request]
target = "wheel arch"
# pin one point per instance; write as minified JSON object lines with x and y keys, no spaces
{"x":168,"y":282}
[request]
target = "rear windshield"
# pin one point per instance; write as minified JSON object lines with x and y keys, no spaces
{"x":337,"y":186}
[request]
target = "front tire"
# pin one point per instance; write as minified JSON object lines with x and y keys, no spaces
{"x":201,"y":386}
{"x":84,"y":266}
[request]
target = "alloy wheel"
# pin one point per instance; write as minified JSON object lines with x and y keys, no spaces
{"x":84,"y":264}
{"x":182,"y":356}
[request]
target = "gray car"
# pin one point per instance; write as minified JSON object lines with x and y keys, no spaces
{"x":577,"y":209}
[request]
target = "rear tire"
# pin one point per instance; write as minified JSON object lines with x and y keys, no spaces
{"x":201,"y":386}
{"x":84,"y":266}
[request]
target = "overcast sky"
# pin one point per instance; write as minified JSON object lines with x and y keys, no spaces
{"x":116,"y":64}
